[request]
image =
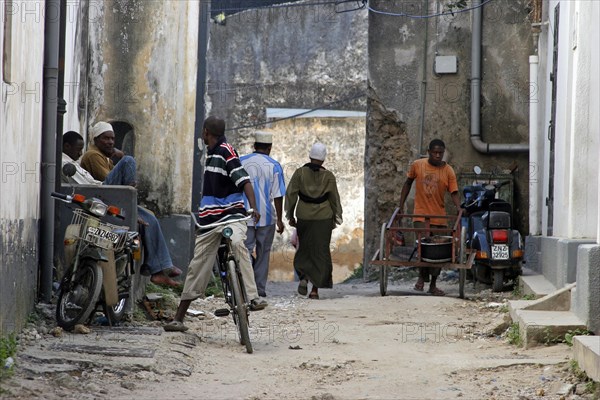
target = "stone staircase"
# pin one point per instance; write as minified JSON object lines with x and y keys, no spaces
{"x":548,"y":318}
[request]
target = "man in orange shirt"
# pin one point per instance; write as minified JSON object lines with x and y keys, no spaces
{"x":434,"y":177}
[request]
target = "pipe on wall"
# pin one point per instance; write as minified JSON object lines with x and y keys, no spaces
{"x":476,"y":140}
{"x":535,"y":227}
{"x":49,"y":119}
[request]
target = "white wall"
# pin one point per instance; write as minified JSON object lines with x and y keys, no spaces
{"x":577,"y":139}
{"x":20,"y":115}
{"x":584,"y":126}
{"x":20,"y":153}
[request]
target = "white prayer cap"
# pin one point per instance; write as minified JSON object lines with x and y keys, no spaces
{"x":318,"y":151}
{"x":100,"y":128}
{"x":263,"y":137}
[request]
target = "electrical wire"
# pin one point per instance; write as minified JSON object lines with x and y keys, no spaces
{"x":430,"y":15}
{"x":290,"y":5}
{"x":344,"y":100}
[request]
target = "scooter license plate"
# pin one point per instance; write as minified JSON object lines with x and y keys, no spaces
{"x":92,"y":231}
{"x":500,"y":252}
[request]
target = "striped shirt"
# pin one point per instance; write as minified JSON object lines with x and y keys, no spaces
{"x":224,"y":180}
{"x":267,"y":180}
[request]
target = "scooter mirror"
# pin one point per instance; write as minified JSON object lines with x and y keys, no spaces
{"x":69,"y":169}
{"x":477,"y":169}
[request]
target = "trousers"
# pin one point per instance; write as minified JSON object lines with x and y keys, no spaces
{"x":205,"y":253}
{"x":261,"y":239}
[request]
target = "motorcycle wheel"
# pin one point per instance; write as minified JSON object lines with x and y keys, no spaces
{"x":76,"y":304}
{"x":498,"y":280}
{"x":240,"y":310}
{"x":117,"y":313}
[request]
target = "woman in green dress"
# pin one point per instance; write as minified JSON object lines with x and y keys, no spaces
{"x":312,"y":205}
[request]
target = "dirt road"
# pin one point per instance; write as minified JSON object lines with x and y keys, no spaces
{"x":351,"y":344}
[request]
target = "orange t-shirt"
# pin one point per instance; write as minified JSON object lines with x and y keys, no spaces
{"x":432,"y":183}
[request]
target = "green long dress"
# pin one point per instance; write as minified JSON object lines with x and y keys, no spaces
{"x":312,"y":197}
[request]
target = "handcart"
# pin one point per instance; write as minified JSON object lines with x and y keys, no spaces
{"x":452,"y":253}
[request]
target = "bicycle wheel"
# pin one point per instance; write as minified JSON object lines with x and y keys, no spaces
{"x":77,"y":299}
{"x":240,"y":310}
{"x":462,"y":259}
{"x":383,"y":272}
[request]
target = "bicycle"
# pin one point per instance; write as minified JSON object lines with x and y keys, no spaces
{"x":234,"y":289}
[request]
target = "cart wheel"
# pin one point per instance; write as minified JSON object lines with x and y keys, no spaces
{"x":383,"y":272}
{"x":462,"y":273}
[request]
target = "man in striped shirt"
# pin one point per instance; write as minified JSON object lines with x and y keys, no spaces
{"x":269,"y":187}
{"x":225,"y":179}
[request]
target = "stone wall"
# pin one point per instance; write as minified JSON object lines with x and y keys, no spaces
{"x":301,"y":57}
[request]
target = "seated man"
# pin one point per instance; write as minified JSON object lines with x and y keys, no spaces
{"x":157,"y":259}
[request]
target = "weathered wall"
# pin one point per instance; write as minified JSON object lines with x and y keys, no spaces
{"x":344,"y":138}
{"x":142,"y":71}
{"x":20,"y":154}
{"x":399,"y":47}
{"x":80,"y":15}
{"x":299,"y":57}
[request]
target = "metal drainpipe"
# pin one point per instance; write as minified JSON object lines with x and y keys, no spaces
{"x":49,"y":117}
{"x":424,"y":81}
{"x":476,"y":141}
{"x":198,"y":168}
{"x":535,"y":223}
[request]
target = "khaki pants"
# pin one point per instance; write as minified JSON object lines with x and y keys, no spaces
{"x":205,"y":253}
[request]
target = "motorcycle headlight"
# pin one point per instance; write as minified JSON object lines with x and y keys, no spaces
{"x":98,"y":208}
{"x":227,"y":232}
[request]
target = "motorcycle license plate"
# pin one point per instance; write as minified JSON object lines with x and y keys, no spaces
{"x":500,"y":252}
{"x":92,"y":231}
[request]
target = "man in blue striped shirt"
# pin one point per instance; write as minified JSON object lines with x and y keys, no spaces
{"x":266,"y":175}
{"x":225,"y":179}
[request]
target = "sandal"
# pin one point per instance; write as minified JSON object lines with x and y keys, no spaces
{"x":419,"y":285}
{"x":303,"y":287}
{"x":313,"y":295}
{"x":175,"y":326}
{"x":436,"y":291}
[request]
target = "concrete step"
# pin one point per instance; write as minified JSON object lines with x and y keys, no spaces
{"x":586,"y":351}
{"x":514,"y":305}
{"x":559,"y":300}
{"x":536,"y":285}
{"x":544,"y":327}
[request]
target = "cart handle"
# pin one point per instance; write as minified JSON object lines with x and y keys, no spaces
{"x":455,"y":226}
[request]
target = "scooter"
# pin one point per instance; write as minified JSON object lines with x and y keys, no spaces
{"x":498,"y":246}
{"x":100,"y":263}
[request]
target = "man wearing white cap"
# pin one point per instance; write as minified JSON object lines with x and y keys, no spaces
{"x":157,"y":260}
{"x":267,"y":180}
{"x":312,"y":205}
{"x":97,"y":160}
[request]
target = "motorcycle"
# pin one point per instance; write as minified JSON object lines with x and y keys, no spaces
{"x":100,"y":263}
{"x":498,"y":245}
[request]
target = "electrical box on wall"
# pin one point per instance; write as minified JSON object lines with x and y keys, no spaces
{"x":446,"y":65}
